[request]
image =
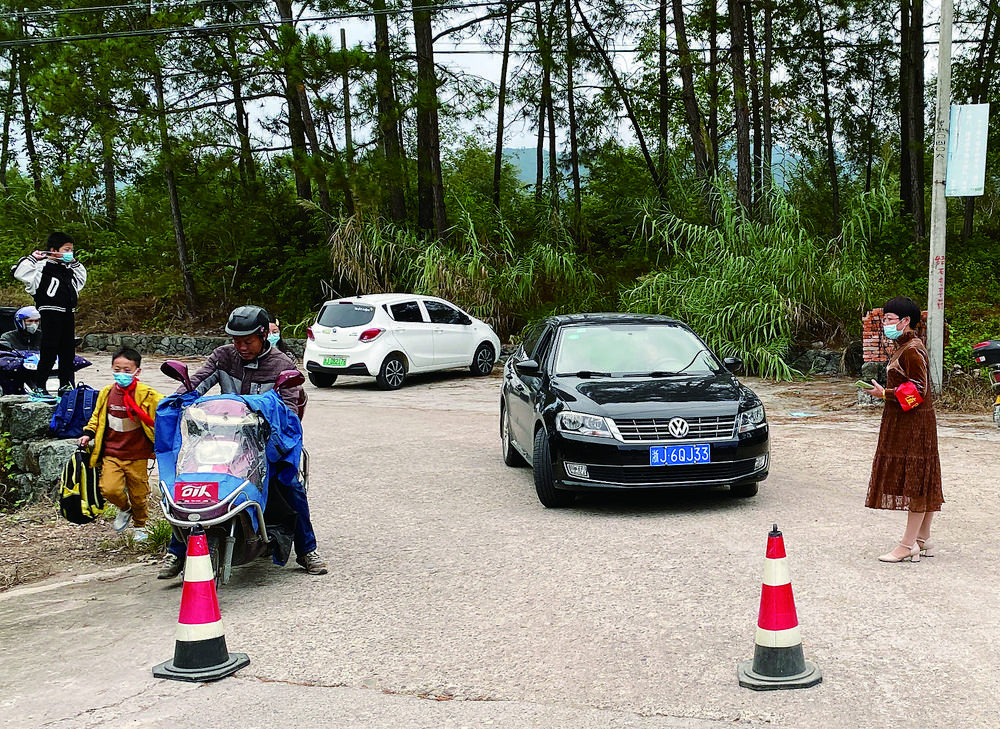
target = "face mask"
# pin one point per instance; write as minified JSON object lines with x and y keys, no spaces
{"x":124,"y":379}
{"x":67,"y":257}
{"x":31,"y":328}
{"x":273,"y":339}
{"x":891,"y":332}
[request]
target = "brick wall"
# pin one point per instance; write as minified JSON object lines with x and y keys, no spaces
{"x":876,"y":347}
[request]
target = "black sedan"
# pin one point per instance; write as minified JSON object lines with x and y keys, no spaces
{"x":628,"y":401}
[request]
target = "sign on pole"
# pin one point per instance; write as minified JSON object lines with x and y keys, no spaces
{"x":967,"y":134}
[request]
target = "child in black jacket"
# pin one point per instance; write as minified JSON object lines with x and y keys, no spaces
{"x":54,"y":278}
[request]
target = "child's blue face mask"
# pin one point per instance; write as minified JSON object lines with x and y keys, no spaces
{"x":124,"y":379}
{"x":67,"y":257}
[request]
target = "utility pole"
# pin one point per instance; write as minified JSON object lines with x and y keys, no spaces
{"x":939,"y":209}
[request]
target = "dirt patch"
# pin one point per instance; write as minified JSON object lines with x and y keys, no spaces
{"x":36,"y":543}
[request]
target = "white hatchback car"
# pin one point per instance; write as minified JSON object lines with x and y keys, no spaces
{"x":388,"y":336}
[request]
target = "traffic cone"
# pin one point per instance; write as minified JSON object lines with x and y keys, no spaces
{"x":777,"y":660}
{"x":200,"y":652}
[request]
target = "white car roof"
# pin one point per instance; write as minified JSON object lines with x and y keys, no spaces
{"x":379,"y":299}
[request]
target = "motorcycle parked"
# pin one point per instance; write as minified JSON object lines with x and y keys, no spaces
{"x":987,"y":354}
{"x":218,"y":456}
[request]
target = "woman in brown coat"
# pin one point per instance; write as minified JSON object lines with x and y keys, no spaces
{"x":906,"y":472}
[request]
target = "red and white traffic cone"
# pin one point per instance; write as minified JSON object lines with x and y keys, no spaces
{"x":200,"y":652}
{"x":778,"y":662}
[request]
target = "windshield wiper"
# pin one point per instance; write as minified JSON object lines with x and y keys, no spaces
{"x":654,"y":373}
{"x":585,"y":374}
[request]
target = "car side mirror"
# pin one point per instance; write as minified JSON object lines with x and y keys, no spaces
{"x":528,"y":367}
{"x":733,"y":364}
{"x":289,"y":378}
{"x":177,"y":371}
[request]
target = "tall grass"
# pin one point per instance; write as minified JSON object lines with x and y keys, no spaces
{"x":481,"y":270}
{"x":751,"y":289}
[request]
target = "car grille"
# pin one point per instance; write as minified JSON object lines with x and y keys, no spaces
{"x":639,"y":475}
{"x":655,"y":429}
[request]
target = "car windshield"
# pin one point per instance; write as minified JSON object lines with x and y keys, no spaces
{"x":632,"y":349}
{"x":345,"y":314}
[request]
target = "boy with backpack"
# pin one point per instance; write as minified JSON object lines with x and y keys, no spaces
{"x":121,"y":429}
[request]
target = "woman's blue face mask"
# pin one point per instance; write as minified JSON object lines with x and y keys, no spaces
{"x":273,"y":339}
{"x":890,"y":330}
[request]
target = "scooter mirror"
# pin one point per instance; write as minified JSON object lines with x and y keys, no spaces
{"x":177,"y":371}
{"x":289,"y":378}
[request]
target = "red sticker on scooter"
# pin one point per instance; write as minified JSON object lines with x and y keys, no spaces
{"x":196,"y":492}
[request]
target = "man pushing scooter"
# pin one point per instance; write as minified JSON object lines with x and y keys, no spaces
{"x":250,"y":366}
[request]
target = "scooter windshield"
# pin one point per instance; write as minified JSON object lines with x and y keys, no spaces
{"x":223,"y":436}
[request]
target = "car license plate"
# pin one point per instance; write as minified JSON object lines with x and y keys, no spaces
{"x":334,"y":361}
{"x":680,"y":455}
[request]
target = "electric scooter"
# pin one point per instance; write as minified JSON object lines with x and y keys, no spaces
{"x":217,"y":456}
{"x":987,"y":354}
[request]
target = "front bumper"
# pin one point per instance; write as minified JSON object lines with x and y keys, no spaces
{"x":600,"y":463}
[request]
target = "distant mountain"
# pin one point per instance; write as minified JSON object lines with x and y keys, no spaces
{"x":524,"y":159}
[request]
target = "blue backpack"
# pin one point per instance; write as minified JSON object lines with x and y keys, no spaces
{"x":73,"y":412}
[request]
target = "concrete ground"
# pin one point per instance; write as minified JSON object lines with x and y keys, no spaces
{"x":455,"y":599}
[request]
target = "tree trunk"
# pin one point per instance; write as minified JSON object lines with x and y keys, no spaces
{"x":664,"y":82}
{"x":755,"y":121}
{"x":540,"y":145}
{"x":713,"y":85}
{"x":166,"y":149}
{"x":741,"y":103}
{"x":28,"y":126}
{"x":430,"y":187}
{"x":831,"y":154}
{"x":108,"y":173}
{"x":247,"y":165}
{"x":317,"y":166}
{"x":8,"y":114}
{"x":388,"y":116}
{"x":348,"y":132}
{"x":766,"y":97}
{"x":654,"y":173}
{"x":692,"y":113}
{"x":574,"y":152}
{"x":502,"y":106}
{"x":985,"y":62}
{"x":915,"y":116}
{"x":296,"y":127}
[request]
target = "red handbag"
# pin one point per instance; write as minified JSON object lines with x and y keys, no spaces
{"x":908,"y":396}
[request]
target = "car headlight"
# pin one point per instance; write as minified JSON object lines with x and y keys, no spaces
{"x":751,"y":420}
{"x":582,"y":424}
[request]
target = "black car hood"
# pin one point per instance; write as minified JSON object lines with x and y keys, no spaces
{"x":659,"y":397}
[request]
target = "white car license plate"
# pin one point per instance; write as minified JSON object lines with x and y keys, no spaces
{"x":680,"y":455}
{"x":334,"y":361}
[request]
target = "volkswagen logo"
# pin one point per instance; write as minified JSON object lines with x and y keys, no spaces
{"x":678,"y":427}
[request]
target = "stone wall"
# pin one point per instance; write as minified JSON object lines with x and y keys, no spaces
{"x":35,"y":459}
{"x":169,"y":345}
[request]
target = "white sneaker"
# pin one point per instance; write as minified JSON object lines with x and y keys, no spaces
{"x":139,"y":535}
{"x":122,"y":520}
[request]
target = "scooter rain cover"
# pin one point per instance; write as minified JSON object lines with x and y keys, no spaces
{"x":209,"y":443}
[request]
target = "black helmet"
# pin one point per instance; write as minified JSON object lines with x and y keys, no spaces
{"x":247,"y":320}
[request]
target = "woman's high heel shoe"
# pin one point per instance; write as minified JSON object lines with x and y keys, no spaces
{"x":913,"y":556}
{"x":926,"y":550}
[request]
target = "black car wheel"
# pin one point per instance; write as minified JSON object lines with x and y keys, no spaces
{"x":392,"y":373}
{"x":510,"y":455}
{"x":743,"y":490}
{"x":541,"y":463}
{"x":483,"y":360}
{"x":321,"y":379}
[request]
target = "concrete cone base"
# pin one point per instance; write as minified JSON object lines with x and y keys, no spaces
{"x":752,"y":680}
{"x":235,"y":662}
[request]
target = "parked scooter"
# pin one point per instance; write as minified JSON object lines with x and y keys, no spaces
{"x":217,"y":455}
{"x":987,"y":354}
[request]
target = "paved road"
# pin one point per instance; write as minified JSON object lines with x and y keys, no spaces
{"x":456,"y":600}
